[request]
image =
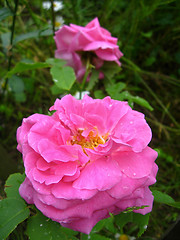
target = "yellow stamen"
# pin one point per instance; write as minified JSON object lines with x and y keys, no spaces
{"x":90,"y":141}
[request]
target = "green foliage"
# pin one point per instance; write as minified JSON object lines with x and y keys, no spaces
{"x":33,"y":34}
{"x":115,"y":91}
{"x":107,"y":223}
{"x":93,"y":80}
{"x":164,"y":155}
{"x":16,"y":84}
{"x":94,"y":237}
{"x":148,"y":34}
{"x":12,"y":185}
{"x":22,"y":66}
{"x":41,"y":228}
{"x":165,"y":199}
{"x":63,"y":77}
{"x":12,"y":212}
{"x":13,"y":209}
{"x":110,"y":69}
{"x":4,"y":13}
{"x":138,"y":219}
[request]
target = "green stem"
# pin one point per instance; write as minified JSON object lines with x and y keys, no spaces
{"x":160,"y":103}
{"x":11,"y":42}
{"x":85,"y":78}
{"x":132,"y":66}
{"x":175,"y":130}
{"x":138,"y":71}
{"x":53,"y":16}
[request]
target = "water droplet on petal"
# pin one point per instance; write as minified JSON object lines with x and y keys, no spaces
{"x":131,"y":122}
{"x":134,"y":174}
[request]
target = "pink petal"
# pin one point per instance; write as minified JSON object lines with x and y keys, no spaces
{"x":67,"y":191}
{"x":136,"y":165}
{"x":62,"y":153}
{"x":133,"y":130}
{"x":101,"y":174}
{"x":108,"y":54}
{"x":26,"y":191}
{"x":100,"y":45}
{"x":63,"y":37}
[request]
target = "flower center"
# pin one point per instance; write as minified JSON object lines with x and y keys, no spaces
{"x":91,"y":141}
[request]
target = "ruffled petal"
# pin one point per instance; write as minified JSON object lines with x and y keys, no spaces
{"x":102,"y":174}
{"x":136,"y":165}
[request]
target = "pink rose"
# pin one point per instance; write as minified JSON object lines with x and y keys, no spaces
{"x":88,"y":159}
{"x":75,"y":41}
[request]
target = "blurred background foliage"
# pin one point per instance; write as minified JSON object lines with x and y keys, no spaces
{"x":148,"y":34}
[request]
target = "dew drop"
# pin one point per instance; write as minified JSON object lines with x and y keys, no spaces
{"x":41,"y":225}
{"x":145,"y":227}
{"x":134,"y":174}
{"x":131,"y":122}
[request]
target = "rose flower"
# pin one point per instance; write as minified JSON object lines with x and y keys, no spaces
{"x":89,"y":159}
{"x":75,"y":43}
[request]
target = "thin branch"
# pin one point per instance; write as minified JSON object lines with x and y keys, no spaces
{"x":11,"y":41}
{"x":53,"y":16}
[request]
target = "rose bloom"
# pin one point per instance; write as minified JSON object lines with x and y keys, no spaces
{"x":89,"y":159}
{"x":75,"y":43}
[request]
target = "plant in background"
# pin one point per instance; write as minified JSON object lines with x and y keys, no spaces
{"x":57,"y":5}
{"x":86,"y":47}
{"x":93,"y":156}
{"x":88,"y":160}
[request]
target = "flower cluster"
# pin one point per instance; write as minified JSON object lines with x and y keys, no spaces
{"x":89,"y":159}
{"x":81,"y":46}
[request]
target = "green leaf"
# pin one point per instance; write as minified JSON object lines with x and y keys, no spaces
{"x":56,"y":62}
{"x":20,"y":97}
{"x":4,"y":13}
{"x":147,"y":34}
{"x":22,"y":66}
{"x":114,"y":89}
{"x":55,"y":90}
{"x":94,"y":237}
{"x":12,"y":212}
{"x":93,"y":80}
{"x":123,"y":218}
{"x":33,"y":34}
{"x":12,"y":185}
{"x":16,"y":84}
{"x":110,"y":69}
{"x":63,"y":77}
{"x":165,"y":199}
{"x":140,"y":220}
{"x":141,"y":101}
{"x":41,"y":228}
{"x":150,"y":60}
{"x":99,"y":94}
{"x":125,"y":95}
{"x":98,"y":237}
{"x":5,"y":38}
{"x":164,"y":155}
{"x":105,"y":223}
